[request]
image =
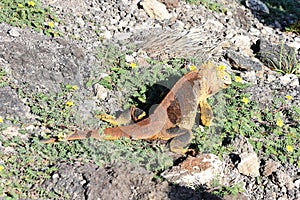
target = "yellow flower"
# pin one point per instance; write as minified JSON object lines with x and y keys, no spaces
{"x":192,"y":68}
{"x":69,"y":103}
{"x":1,"y":168}
{"x":238,"y":79}
{"x":74,"y":87}
{"x":31,"y":3}
{"x":279,"y":123}
{"x":1,"y":120}
{"x":132,"y":65}
{"x":51,"y":24}
{"x":20,"y":5}
{"x":221,"y":67}
{"x":245,"y":100}
{"x":288,"y":97}
{"x":289,"y":148}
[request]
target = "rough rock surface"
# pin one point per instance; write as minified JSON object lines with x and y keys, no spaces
{"x":119,"y":181}
{"x":46,"y":62}
{"x":193,"y":171}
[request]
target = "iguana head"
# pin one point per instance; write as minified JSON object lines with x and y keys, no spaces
{"x":223,"y":75}
{"x":215,"y":78}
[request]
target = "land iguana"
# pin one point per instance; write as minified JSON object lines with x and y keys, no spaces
{"x":174,"y":117}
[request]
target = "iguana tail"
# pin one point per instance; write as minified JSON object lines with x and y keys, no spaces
{"x":109,"y":134}
{"x":114,"y":133}
{"x":78,"y":135}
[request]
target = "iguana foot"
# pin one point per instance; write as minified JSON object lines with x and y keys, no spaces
{"x":181,"y":141}
{"x":131,"y":115}
{"x":107,"y":118}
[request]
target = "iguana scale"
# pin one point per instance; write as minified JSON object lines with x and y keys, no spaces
{"x":175,"y":116}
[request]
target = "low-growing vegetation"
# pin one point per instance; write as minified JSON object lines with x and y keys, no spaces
{"x":210,"y":4}
{"x":22,"y":13}
{"x":273,"y":131}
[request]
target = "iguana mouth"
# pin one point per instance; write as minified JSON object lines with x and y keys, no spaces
{"x":227,"y":82}
{"x":225,"y":85}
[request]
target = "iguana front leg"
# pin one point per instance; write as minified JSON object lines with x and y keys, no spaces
{"x":206,"y":113}
{"x":131,"y":115}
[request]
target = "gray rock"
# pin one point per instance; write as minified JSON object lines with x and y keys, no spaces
{"x":275,"y":55}
{"x":242,"y":42}
{"x":295,"y":44}
{"x":297,"y":183}
{"x":196,"y":171}
{"x":80,"y":21}
{"x":242,"y":61}
{"x":100,"y":91}
{"x":118,"y":181}
{"x":155,"y":9}
{"x":270,"y":167}
{"x":257,"y":6}
{"x":289,"y":79}
{"x":249,"y":164}
{"x":40,"y":61}
{"x":129,"y":58}
{"x":283,"y":180}
{"x":14,"y":32}
{"x":12,"y":106}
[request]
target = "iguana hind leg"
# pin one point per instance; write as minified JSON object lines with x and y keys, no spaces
{"x":206,"y":113}
{"x":181,"y":141}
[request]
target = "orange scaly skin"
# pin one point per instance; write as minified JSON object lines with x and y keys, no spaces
{"x":175,"y":116}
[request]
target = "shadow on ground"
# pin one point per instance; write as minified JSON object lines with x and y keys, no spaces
{"x":283,"y":13}
{"x":178,"y":193}
{"x":118,"y":181}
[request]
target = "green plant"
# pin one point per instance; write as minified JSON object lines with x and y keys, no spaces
{"x":3,"y":78}
{"x":295,"y":28}
{"x":127,"y":77}
{"x":209,"y":4}
{"x":52,"y":110}
{"x":22,"y":13}
{"x":283,"y":61}
{"x":288,"y":64}
{"x":33,"y":162}
{"x":272,"y":131}
{"x":221,"y":190}
{"x":282,"y":10}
